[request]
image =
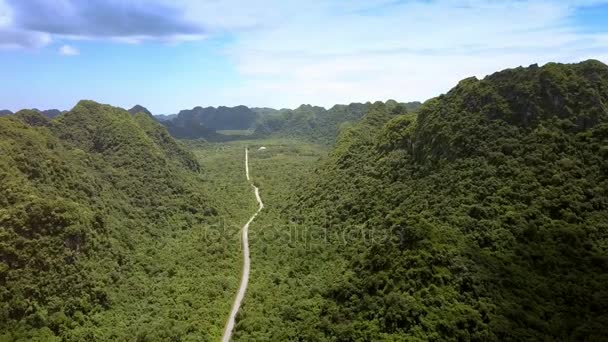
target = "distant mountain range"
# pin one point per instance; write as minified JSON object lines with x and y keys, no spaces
{"x":307,"y":122}
{"x":50,"y":113}
{"x":165,"y":117}
{"x":202,"y":122}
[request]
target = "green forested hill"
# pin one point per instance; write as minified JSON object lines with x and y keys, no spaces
{"x":484,"y":217}
{"x":480,"y":216}
{"x":141,"y":109}
{"x":90,"y":205}
{"x":202,"y":122}
{"x":310,"y":123}
{"x":315,"y":124}
{"x":306,"y":123}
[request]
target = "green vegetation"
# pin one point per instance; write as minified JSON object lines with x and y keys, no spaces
{"x":51,"y":113}
{"x":202,"y":122}
{"x":111,"y":231}
{"x":307,"y":123}
{"x":281,"y":301}
{"x":482,"y":218}
{"x":310,"y":123}
{"x":316,"y":124}
{"x":137,"y":109}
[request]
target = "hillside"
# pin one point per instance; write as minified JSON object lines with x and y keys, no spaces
{"x":51,"y":113}
{"x":5,"y":112}
{"x":165,"y":117}
{"x":306,"y":123}
{"x":315,"y":124}
{"x":480,"y":215}
{"x":482,"y":218}
{"x":202,"y":122}
{"x":97,"y":205}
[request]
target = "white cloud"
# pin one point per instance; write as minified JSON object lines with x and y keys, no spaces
{"x":12,"y":38}
{"x":67,"y":50}
{"x":115,"y":20}
{"x":16,"y":39}
{"x":414,"y":50}
{"x":5,"y":14}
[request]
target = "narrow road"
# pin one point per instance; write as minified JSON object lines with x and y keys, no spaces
{"x":246,"y":261}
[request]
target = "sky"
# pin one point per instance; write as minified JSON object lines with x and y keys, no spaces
{"x":168,"y":55}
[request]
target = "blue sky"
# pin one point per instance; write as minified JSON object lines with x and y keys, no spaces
{"x":173,"y":54}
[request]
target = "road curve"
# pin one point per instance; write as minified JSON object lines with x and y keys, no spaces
{"x":246,"y":261}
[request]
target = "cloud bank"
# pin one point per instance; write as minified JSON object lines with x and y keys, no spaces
{"x":407,"y":50}
{"x":32,"y":23}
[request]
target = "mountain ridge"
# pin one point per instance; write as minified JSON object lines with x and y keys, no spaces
{"x":491,"y":190}
{"x":82,"y":193}
{"x":308,"y":122}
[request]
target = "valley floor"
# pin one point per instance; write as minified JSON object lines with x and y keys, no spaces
{"x":291,"y":263}
{"x":246,"y":260}
{"x":283,"y":263}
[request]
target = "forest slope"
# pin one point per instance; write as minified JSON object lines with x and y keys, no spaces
{"x":482,"y":218}
{"x":306,"y":123}
{"x":316,"y":124}
{"x":99,"y":209}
